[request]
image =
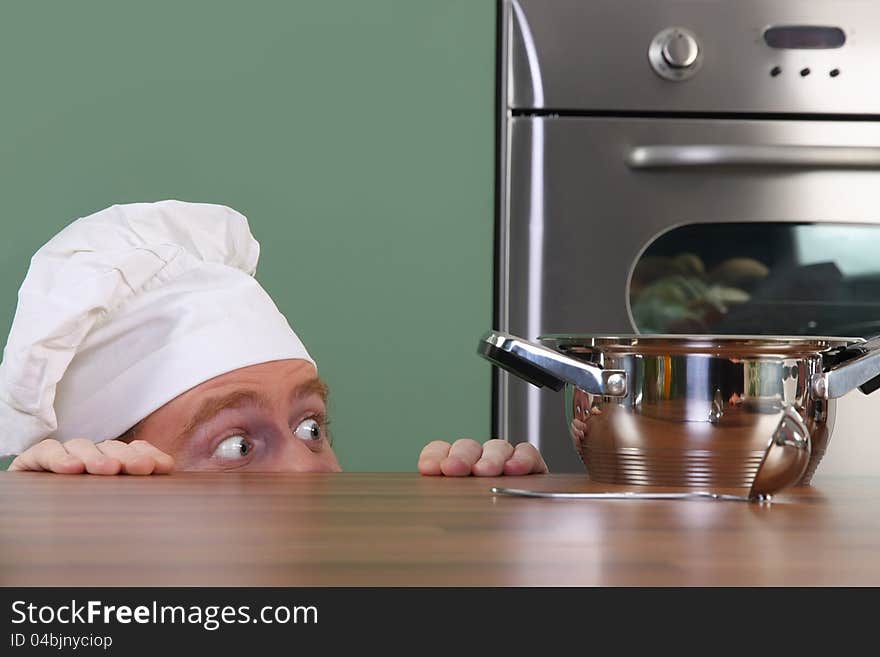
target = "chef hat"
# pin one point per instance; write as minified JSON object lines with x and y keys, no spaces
{"x":127,"y":308}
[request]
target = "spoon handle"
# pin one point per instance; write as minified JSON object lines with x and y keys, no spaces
{"x":696,"y":495}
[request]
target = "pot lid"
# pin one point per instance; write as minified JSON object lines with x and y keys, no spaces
{"x":739,"y":345}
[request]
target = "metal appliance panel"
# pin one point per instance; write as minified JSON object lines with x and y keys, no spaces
{"x":578,"y":216}
{"x":577,"y":55}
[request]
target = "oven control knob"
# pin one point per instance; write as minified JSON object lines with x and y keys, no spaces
{"x":680,"y":50}
{"x":675,"y":54}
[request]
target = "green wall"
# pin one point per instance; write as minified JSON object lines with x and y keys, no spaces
{"x":357,"y":137}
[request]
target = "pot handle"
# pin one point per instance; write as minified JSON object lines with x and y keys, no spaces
{"x":786,"y":458}
{"x":860,"y":368}
{"x":541,"y":366}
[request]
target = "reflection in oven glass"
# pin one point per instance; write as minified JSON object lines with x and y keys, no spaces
{"x":761,"y":279}
{"x":678,"y":295}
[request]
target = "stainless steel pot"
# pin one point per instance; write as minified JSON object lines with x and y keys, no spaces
{"x":691,"y":410}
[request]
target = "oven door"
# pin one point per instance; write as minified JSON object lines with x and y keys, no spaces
{"x":624,"y":225}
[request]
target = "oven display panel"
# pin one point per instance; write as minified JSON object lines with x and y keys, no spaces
{"x":804,"y":37}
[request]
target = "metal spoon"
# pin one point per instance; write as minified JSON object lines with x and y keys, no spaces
{"x":784,"y":463}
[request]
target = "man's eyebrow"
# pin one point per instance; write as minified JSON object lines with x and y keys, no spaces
{"x":315,"y":386}
{"x":213,"y":405}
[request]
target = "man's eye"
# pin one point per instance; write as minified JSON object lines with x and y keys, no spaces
{"x":308,"y":430}
{"x":234,"y":447}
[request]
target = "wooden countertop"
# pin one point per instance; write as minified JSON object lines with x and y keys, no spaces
{"x":402,"y":530}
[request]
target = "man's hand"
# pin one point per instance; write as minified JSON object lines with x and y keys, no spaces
{"x":467,"y":457}
{"x":81,"y":456}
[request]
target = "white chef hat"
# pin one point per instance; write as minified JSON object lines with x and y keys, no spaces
{"x":127,"y":308}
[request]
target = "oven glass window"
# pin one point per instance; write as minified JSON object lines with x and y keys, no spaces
{"x":760,"y":278}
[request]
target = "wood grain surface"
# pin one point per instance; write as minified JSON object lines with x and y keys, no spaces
{"x":406,"y":530}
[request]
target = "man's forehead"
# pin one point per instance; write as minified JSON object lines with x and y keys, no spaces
{"x":259,"y":392}
{"x":292,"y":368}
{"x":277,"y":376}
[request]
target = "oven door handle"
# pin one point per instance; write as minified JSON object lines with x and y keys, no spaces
{"x":732,"y":155}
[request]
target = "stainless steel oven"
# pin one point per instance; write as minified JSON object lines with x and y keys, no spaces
{"x":684,"y":167}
